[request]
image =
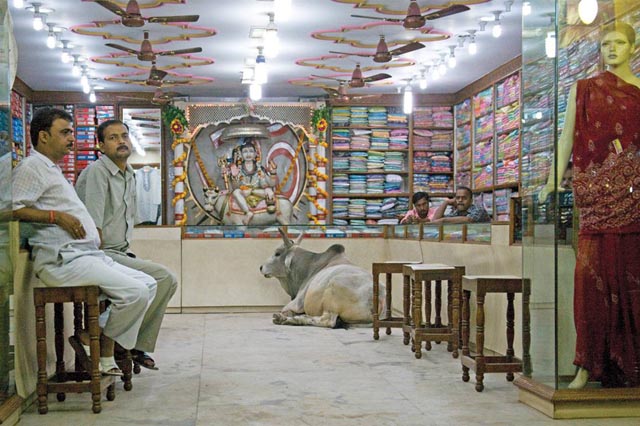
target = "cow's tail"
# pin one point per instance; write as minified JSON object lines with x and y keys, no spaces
{"x":341,"y":324}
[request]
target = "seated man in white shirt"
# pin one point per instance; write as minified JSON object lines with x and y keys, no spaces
{"x":66,"y":242}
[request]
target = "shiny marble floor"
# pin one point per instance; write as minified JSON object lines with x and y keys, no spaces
{"x":240,"y":369}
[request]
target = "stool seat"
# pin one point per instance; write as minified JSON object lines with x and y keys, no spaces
{"x":67,"y":381}
{"x":419,"y":330}
{"x":388,"y":320}
{"x":480,"y":363}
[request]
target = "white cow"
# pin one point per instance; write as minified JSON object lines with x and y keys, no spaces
{"x":326,"y":288}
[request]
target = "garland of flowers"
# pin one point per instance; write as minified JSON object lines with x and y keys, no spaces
{"x":174,"y":118}
{"x":319,"y":124}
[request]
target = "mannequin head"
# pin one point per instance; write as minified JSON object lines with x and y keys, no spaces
{"x":618,"y":45}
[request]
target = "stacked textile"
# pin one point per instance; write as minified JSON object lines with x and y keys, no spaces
{"x":360,"y":139}
{"x":399,"y":139}
{"x":340,"y":161}
{"x":357,"y":184}
{"x":392,"y":183}
{"x":340,"y":183}
{"x":340,"y":116}
{"x":340,"y":139}
{"x":394,"y":161}
{"x":359,"y":116}
{"x":377,"y":116}
{"x":422,"y":139}
{"x":375,"y":184}
{"x":380,"y":139}
{"x":396,"y":118}
{"x":375,"y":161}
{"x":358,"y":161}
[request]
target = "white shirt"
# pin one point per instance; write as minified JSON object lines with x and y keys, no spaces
{"x":39,"y":183}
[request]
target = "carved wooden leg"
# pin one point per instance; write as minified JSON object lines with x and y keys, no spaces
{"x":389,"y":288}
{"x":438,"y":307}
{"x":41,"y":349}
{"x":94,"y":333}
{"x":450,"y":317}
{"x":526,"y":331}
{"x":510,"y":332}
{"x":376,"y":306}
{"x":417,"y":316}
{"x":127,"y":371}
{"x":406,"y":307}
{"x":111,"y":392}
{"x":427,"y":310}
{"x":58,"y":327}
{"x":77,"y":327}
{"x":480,"y":342}
{"x":465,"y":332}
{"x":455,"y":286}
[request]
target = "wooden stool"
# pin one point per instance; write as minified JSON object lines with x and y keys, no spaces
{"x":421,"y":331}
{"x":481,"y":285}
{"x":389,"y":321}
{"x":83,"y":381}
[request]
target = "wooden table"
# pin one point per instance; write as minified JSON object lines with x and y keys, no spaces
{"x":387,"y":320}
{"x":481,"y":285}
{"x":419,"y":330}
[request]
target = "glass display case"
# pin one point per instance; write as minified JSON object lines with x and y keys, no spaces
{"x":558,"y":50}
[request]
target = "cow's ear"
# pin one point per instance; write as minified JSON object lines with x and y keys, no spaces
{"x":287,"y":241}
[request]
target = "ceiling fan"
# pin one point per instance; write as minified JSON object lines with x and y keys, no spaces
{"x":341,"y":94}
{"x":383,"y":54}
{"x":131,"y":17}
{"x":146,"y":52}
{"x":164,"y":98}
{"x":415,"y":20}
{"x":357,"y":79}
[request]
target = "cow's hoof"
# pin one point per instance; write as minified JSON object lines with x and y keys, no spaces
{"x":278,"y":318}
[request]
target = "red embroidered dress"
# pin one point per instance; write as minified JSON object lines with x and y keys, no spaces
{"x":606,"y":185}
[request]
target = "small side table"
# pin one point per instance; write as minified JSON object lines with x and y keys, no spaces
{"x":421,"y":331}
{"x":481,"y":285}
{"x":387,"y":320}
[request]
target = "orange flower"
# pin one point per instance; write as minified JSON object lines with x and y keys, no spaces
{"x":322,"y":125}
{"x":176,"y":126}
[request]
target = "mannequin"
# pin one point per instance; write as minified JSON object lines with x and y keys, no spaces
{"x":602,"y":132}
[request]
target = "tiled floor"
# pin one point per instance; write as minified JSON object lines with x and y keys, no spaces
{"x":240,"y":369}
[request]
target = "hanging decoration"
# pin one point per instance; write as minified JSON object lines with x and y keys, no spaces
{"x":174,"y":118}
{"x":317,"y":173}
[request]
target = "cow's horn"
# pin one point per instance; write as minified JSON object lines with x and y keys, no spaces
{"x":287,"y":241}
{"x":299,"y":239}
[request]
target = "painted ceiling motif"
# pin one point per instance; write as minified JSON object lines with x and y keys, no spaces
{"x":399,"y":7}
{"x":337,"y":63}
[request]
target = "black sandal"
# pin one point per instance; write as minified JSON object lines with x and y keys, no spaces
{"x":143,"y":359}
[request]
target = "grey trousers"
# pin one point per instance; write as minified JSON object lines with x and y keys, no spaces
{"x":166,"y":288}
{"x":130,"y":291}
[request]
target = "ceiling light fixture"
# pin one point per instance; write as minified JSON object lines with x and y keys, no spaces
{"x":588,"y":11}
{"x":86,"y":88}
{"x":423,"y":79}
{"x":39,"y":15}
{"x":75,"y":68}
{"x":483,"y":25}
{"x":92,"y":97}
{"x":550,"y":44}
{"x":526,"y":8}
{"x":255,"y":92}
{"x":261,"y":67}
{"x":51,"y":37}
{"x":407,"y":99}
{"x":497,"y":26}
{"x":473,"y":47}
{"x":271,"y":41}
{"x":507,"y":5}
{"x":66,"y":49}
{"x":461,"y":39}
{"x":443,"y":64}
{"x":452,"y":57}
{"x":282,"y":8}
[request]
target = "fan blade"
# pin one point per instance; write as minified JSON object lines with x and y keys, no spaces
{"x":447,"y":11}
{"x":112,"y":7}
{"x":364,"y":55}
{"x":406,"y":48}
{"x":328,"y":78}
{"x":165,"y":19}
{"x":126,"y":49}
{"x":376,"y":77}
{"x":179,"y":51}
{"x":378,"y":18}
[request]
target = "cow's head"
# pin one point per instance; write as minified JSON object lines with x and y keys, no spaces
{"x":279,"y":264}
